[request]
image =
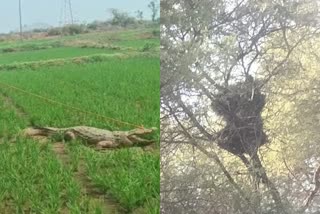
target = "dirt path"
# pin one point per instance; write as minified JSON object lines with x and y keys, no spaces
{"x":108,"y":205}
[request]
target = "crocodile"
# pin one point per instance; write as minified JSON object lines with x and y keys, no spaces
{"x":100,"y":138}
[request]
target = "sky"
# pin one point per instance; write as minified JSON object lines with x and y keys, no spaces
{"x":49,"y":11}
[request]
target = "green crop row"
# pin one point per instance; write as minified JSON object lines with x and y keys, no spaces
{"x":51,"y":53}
{"x":123,"y":89}
{"x":10,"y":124}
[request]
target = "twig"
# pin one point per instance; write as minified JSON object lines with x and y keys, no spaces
{"x":313,"y":193}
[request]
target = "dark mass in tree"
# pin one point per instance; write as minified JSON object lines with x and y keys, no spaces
{"x":240,"y":106}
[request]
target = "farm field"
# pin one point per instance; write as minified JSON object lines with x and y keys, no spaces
{"x":114,"y":93}
{"x":47,"y":54}
{"x":136,"y":36}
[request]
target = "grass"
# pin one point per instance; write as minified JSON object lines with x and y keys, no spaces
{"x":34,"y":181}
{"x":122,"y":174}
{"x":10,"y":124}
{"x":126,"y":170}
{"x":51,"y":53}
{"x":124,"y":88}
{"x":137,"y":43}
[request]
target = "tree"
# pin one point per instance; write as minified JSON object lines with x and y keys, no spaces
{"x":218,"y":62}
{"x":154,"y":7}
{"x":121,"y":18}
{"x":139,"y":15}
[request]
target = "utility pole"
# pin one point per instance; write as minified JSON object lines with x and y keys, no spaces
{"x":71,"y":14}
{"x":20,"y":18}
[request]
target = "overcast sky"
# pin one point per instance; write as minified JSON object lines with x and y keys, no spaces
{"x":49,"y":11}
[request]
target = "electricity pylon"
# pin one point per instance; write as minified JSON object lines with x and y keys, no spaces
{"x":66,"y":17}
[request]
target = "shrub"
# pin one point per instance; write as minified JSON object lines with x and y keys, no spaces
{"x":54,"y":32}
{"x":8,"y":50}
{"x":73,"y":29}
{"x":147,"y":47}
{"x":38,"y":30}
{"x":156,"y":32}
{"x":93,"y":26}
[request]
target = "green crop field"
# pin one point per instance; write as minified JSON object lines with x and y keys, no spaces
{"x":68,"y":177}
{"x":137,"y":43}
{"x":51,"y":53}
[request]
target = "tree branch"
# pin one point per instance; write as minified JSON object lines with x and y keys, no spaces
{"x":308,"y":201}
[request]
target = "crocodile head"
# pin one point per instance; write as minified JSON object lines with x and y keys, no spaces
{"x":141,"y":134}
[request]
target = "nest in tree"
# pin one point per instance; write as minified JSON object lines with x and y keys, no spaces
{"x":241,"y":106}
